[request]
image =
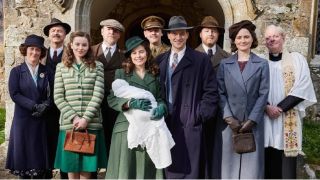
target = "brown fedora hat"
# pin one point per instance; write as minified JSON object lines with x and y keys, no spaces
{"x":210,"y":22}
{"x":56,"y":22}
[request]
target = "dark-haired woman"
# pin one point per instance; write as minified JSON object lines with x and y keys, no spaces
{"x":243,"y":88}
{"x":29,"y":90}
{"x":78,"y":92}
{"x":139,"y":71}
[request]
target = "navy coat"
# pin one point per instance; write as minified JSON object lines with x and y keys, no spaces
{"x":28,"y":140}
{"x":243,"y":96}
{"x":195,"y":98}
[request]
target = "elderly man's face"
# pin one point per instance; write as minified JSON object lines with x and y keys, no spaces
{"x":209,"y":36}
{"x":110,"y":35}
{"x":274,"y":40}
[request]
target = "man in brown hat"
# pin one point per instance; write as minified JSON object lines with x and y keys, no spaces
{"x":112,"y":57}
{"x":189,"y":86}
{"x":56,"y":32}
{"x":209,"y":34}
{"x":152,"y":29}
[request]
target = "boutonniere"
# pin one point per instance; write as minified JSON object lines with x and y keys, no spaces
{"x":41,"y":75}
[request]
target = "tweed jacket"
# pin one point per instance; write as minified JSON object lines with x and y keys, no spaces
{"x":79,"y":92}
{"x":217,"y":57}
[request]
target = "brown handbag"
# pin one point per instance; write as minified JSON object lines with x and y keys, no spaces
{"x":243,"y":143}
{"x":80,"y":142}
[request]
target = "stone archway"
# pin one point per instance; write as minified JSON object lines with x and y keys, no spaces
{"x":89,"y":13}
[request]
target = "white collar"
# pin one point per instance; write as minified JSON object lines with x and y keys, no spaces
{"x":206,"y":48}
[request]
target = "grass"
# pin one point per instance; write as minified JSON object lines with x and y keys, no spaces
{"x":311,"y":142}
{"x":2,"y":124}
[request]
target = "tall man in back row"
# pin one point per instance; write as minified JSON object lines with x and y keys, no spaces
{"x":111,"y":57}
{"x":189,"y":86}
{"x":209,"y":34}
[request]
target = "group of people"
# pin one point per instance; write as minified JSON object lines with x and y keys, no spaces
{"x":204,"y":97}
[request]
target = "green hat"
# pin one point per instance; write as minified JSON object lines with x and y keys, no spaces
{"x":132,"y":43}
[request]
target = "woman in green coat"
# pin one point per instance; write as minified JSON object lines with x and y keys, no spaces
{"x":139,"y":71}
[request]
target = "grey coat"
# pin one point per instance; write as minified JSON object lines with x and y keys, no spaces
{"x":243,"y":96}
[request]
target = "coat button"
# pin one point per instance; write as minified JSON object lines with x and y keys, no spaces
{"x":79,"y":99}
{"x":79,"y":87}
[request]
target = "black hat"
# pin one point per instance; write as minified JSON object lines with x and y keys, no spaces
{"x":177,"y":23}
{"x":235,"y":28}
{"x":56,"y":22}
{"x":34,"y":40}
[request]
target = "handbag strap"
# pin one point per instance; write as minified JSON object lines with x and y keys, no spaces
{"x":86,"y":131}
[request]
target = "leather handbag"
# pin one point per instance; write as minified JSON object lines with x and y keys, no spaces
{"x":243,"y":143}
{"x":80,"y":142}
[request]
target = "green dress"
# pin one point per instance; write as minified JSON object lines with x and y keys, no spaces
{"x":125,"y":163}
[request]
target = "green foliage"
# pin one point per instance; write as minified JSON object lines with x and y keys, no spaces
{"x":2,"y":124}
{"x":311,"y":142}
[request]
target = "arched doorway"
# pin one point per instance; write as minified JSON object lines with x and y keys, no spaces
{"x":131,"y":13}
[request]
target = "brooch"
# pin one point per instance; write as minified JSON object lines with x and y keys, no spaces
{"x":41,"y":75}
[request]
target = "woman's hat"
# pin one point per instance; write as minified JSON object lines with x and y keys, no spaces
{"x":34,"y":40}
{"x":56,"y":22}
{"x":177,"y":23}
{"x":235,"y":28}
{"x":210,"y":22}
{"x":132,"y":43}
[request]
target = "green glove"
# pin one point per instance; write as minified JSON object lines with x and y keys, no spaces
{"x":142,"y":104}
{"x":158,"y":112}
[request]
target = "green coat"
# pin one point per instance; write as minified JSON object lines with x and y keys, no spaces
{"x":125,"y":163}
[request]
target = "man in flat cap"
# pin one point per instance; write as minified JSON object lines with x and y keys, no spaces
{"x":209,"y":34}
{"x":189,"y":86}
{"x":152,"y":29}
{"x":112,"y":57}
{"x":56,"y":32}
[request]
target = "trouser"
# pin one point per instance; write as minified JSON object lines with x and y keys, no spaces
{"x":278,"y":166}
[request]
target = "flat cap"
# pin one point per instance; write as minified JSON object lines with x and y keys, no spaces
{"x":152,"y":22}
{"x":112,"y":23}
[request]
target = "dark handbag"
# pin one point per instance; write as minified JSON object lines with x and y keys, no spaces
{"x":243,"y":143}
{"x":80,"y":142}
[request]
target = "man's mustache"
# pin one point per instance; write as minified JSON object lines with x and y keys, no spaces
{"x":57,"y":35}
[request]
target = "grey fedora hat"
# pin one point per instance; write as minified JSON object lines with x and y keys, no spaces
{"x":177,"y":23}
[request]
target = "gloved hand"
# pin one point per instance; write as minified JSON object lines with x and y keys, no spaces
{"x":39,"y":109}
{"x":246,"y":126}
{"x":142,"y":104}
{"x":233,"y":124}
{"x":158,"y":112}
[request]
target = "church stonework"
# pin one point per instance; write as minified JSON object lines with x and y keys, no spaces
{"x":30,"y":16}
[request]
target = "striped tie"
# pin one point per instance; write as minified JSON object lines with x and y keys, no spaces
{"x":175,"y":61}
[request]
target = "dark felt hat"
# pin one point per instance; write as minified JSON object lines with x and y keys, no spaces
{"x":132,"y":43}
{"x":34,"y":40}
{"x":56,"y":22}
{"x":177,"y":23}
{"x":235,"y":28}
{"x":210,"y":22}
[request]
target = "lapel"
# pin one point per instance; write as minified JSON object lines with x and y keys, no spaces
{"x":42,"y":76}
{"x":28,"y":78}
{"x":145,"y":82}
{"x":163,"y":65}
{"x":185,"y":61}
{"x":251,"y":67}
{"x":234,"y":70}
{"x":218,"y":56}
{"x":200,"y":49}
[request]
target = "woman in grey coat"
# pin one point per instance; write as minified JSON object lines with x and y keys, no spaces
{"x":243,"y":88}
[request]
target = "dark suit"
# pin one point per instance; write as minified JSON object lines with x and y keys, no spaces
{"x":213,"y":128}
{"x":109,"y":115}
{"x":28,"y":146}
{"x":194,"y":101}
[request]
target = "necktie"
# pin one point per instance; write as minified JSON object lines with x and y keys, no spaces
{"x":210,"y":53}
{"x":175,"y":61}
{"x":108,"y":54}
{"x":55,"y":56}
